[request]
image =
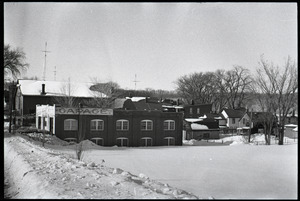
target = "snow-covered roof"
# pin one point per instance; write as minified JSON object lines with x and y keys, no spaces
{"x":192,"y":120}
{"x":296,"y":129}
{"x":203,"y":117}
{"x":57,"y":88}
{"x":172,"y":106}
{"x":136,"y":99}
{"x":291,"y":125}
{"x":195,"y":126}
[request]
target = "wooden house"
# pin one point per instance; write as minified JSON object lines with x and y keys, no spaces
{"x":36,"y":92}
{"x":238,"y":120}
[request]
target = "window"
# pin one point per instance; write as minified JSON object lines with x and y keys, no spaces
{"x":169,"y":141}
{"x":244,"y":121}
{"x":122,"y":124}
{"x":191,"y":110}
{"x":70,"y":124}
{"x":205,"y":135}
{"x":146,"y":141}
{"x":146,"y":125}
{"x":169,"y":125}
{"x":122,"y":141}
{"x":233,"y":120}
{"x":97,"y":124}
{"x":198,"y":110}
{"x":98,"y":140}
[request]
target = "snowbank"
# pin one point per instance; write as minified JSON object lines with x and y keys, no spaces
{"x":230,"y":139}
{"x":34,"y":172}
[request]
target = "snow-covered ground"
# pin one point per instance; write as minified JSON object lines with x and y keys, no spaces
{"x":193,"y":171}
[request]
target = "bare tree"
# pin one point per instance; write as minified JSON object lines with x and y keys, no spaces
{"x":236,"y":86}
{"x":103,"y":94}
{"x":221,"y":88}
{"x":221,"y":95}
{"x":14,"y":61}
{"x":199,"y":87}
{"x":66,"y":97}
{"x":280,"y":87}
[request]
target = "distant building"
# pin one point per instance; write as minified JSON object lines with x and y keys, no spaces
{"x":199,"y":129}
{"x":258,"y":119}
{"x":195,"y":111}
{"x":36,"y":92}
{"x":200,"y":123}
{"x":133,"y":124}
{"x":238,"y":120}
{"x":291,"y":131}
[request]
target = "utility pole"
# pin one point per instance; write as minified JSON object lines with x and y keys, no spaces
{"x":44,"y":73}
{"x":12,"y":91}
{"x":135,"y":81}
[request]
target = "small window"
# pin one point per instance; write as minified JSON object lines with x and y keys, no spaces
{"x":233,"y":120}
{"x":146,"y":141}
{"x":191,"y":110}
{"x":98,"y":141}
{"x":97,"y":125}
{"x":70,"y":124}
{"x":146,"y":125}
{"x":198,"y":110}
{"x":169,"y":125}
{"x":122,"y":124}
{"x":169,"y":141}
{"x":122,"y":141}
{"x":205,"y":135}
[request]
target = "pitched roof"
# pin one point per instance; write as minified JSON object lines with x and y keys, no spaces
{"x":57,"y":88}
{"x":235,"y":113}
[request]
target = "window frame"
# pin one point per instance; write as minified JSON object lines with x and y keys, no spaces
{"x":122,"y":121}
{"x":122,"y":141}
{"x":71,"y":127}
{"x":169,"y":127}
{"x":101,"y":121}
{"x":170,"y":139}
{"x":147,"y":122}
{"x":145,"y":139}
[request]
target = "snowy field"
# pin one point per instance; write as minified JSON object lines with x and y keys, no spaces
{"x":227,"y":168}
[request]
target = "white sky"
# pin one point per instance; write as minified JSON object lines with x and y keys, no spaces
{"x":157,"y":41}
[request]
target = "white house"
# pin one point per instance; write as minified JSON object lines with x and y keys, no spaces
{"x":238,"y":120}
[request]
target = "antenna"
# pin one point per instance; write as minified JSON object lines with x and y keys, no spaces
{"x":44,"y":74}
{"x":54,"y":73}
{"x":135,"y":81}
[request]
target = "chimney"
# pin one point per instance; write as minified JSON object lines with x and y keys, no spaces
{"x":193,"y":103}
{"x":43,"y":89}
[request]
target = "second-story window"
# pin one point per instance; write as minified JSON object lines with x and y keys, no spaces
{"x":233,"y":120}
{"x":70,"y":124}
{"x":198,"y":110}
{"x":169,"y":125}
{"x":122,"y":124}
{"x":146,"y":125}
{"x":191,"y":110}
{"x":97,"y":124}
